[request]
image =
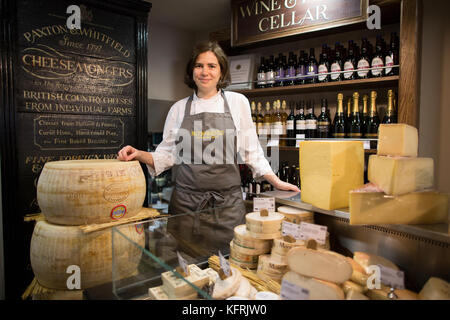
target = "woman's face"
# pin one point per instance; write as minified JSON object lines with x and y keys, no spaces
{"x":207,"y":72}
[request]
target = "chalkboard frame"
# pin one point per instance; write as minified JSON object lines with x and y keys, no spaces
{"x":17,"y":233}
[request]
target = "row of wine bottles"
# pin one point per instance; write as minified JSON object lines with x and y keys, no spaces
{"x":350,"y":122}
{"x":336,"y":64}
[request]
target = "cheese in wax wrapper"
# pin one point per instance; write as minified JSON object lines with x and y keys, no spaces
{"x":329,"y":170}
{"x":376,"y":208}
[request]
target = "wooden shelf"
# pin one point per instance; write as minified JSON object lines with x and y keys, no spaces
{"x":282,"y":148}
{"x":384,"y":82}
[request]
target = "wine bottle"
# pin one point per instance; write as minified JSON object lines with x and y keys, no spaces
{"x":391,"y":116}
{"x":363,"y":62}
{"x":349,"y":65}
{"x":284,"y":116}
{"x":277,"y":121}
{"x":374,"y":120}
{"x":378,"y":59}
{"x":336,"y":65}
{"x":365,"y":115}
{"x":267,"y":122}
{"x":279,"y":74}
{"x":355,"y":123}
{"x":324,"y":65}
{"x":391,"y":58}
{"x":323,"y":121}
{"x":301,"y":69}
{"x":348,"y":117}
{"x":253,"y":111}
{"x":293,"y":176}
{"x":259,"y":118}
{"x":311,"y":69}
{"x":311,"y":121}
{"x":300,"y":122}
{"x":290,"y":128}
{"x":270,"y":73}
{"x":339,"y":123}
{"x":261,"y":83}
{"x":291,"y":69}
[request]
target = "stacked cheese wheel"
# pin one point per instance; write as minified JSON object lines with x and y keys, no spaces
{"x":83,"y":192}
{"x":295,"y":215}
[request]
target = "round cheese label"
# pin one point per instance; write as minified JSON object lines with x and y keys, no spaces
{"x":118,"y":212}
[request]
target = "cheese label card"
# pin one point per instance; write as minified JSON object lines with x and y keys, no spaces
{"x":183,"y":263}
{"x":225,"y":265}
{"x":392,"y":278}
{"x":273,"y":143}
{"x":264,"y":203}
{"x":290,"y":291}
{"x":291,"y":229}
{"x":313,"y":231}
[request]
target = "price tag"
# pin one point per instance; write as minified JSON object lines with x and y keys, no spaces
{"x":313,"y":231}
{"x":290,"y":291}
{"x":273,"y":143}
{"x":290,"y":229}
{"x":366,"y":145}
{"x":264,"y":203}
{"x":392,"y":278}
{"x":183,"y":263}
{"x":224,"y":265}
{"x":299,"y":136}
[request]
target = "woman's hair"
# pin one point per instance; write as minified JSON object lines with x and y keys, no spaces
{"x":221,"y":57}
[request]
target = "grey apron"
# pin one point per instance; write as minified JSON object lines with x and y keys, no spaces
{"x":213,"y":189}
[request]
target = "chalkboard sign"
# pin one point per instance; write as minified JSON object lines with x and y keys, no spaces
{"x":69,"y":94}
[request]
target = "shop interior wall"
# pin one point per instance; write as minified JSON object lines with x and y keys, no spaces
{"x":434,"y":134}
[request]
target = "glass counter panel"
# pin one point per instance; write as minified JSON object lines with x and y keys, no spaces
{"x":147,"y":249}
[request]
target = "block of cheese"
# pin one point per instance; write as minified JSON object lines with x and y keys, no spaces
{"x":320,"y":264}
{"x":359,"y":274}
{"x":398,"y":140}
{"x":226,"y":288}
{"x":382,"y":294}
{"x":397,"y":176}
{"x":366,"y":260}
{"x":264,"y":227}
{"x":376,"y":208}
{"x":176,"y":287}
{"x":329,"y":170}
{"x":157,"y":293}
{"x":295,"y":215}
{"x":318,"y":289}
{"x":244,"y":243}
{"x":435,"y":289}
{"x":355,"y":295}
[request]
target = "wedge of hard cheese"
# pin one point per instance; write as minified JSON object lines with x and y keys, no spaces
{"x":318,"y":289}
{"x":329,"y":170}
{"x":435,"y":289}
{"x":397,"y":176}
{"x":355,"y":295}
{"x":376,"y":208}
{"x":320,"y":264}
{"x":398,"y":140}
{"x":176,"y":287}
{"x":157,"y":293}
{"x":366,"y":260}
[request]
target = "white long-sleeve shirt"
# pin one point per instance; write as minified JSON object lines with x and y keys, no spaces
{"x":248,"y":145}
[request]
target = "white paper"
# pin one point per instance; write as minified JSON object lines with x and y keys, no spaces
{"x":264,"y":203}
{"x":273,"y":143}
{"x":290,"y":229}
{"x":366,"y":145}
{"x":224,"y":265}
{"x":392,"y":278}
{"x":183,"y":263}
{"x":313,"y":231}
{"x":290,"y":291}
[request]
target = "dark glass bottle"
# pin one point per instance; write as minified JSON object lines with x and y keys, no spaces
{"x":301,"y":69}
{"x":364,"y":61}
{"x":378,"y":59}
{"x":348,"y":116}
{"x":311,"y":121}
{"x":261,"y":83}
{"x":336,"y":66}
{"x":338,"y":130}
{"x":391,"y":115}
{"x":323,"y":121}
{"x":311,"y":69}
{"x":270,"y":73}
{"x":324,"y":65}
{"x":355,"y":122}
{"x":293,"y":174}
{"x":280,"y":68}
{"x":365,"y":115}
{"x":290,"y":128}
{"x":350,"y":65}
{"x":291,"y":69}
{"x":300,"y":122}
{"x":391,"y":57}
{"x":374,"y":121}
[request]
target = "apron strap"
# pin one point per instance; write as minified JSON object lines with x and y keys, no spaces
{"x":187,"y":109}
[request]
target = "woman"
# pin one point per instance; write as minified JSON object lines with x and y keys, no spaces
{"x":221,"y":124}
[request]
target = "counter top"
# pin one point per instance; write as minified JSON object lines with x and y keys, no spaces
{"x":436,"y":232}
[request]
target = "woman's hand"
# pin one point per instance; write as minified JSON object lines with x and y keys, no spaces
{"x":128,"y":153}
{"x":280,"y":185}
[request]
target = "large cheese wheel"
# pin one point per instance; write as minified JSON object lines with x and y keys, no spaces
{"x":78,"y":192}
{"x":54,"y":248}
{"x":264,"y":227}
{"x":295,"y":215}
{"x":244,"y":241}
{"x":318,"y":289}
{"x":320,"y":264}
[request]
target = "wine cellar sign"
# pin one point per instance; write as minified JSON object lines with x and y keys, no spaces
{"x":254,"y":21}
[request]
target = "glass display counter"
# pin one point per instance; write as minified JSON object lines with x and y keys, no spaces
{"x":154,"y":254}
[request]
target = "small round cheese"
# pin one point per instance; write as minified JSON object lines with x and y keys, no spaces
{"x":295,"y":215}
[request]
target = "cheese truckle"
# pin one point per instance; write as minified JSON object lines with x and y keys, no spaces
{"x":329,"y":170}
{"x":82,"y":192}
